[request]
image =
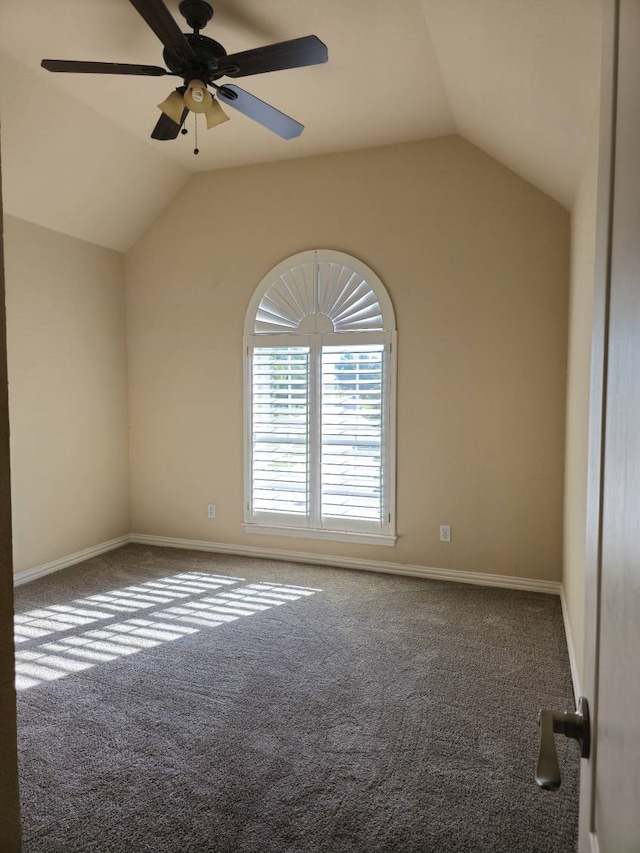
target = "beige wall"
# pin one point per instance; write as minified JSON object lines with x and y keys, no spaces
{"x":476,"y":263}
{"x":583,"y":237}
{"x":67,"y":393}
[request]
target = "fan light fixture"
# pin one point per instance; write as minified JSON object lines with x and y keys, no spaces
{"x":197,"y":98}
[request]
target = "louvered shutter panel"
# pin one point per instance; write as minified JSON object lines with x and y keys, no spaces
{"x":352,"y":437}
{"x":280,"y":431}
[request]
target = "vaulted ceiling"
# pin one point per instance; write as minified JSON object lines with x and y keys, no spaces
{"x":518,"y":78}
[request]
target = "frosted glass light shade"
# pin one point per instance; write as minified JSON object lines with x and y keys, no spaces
{"x":173,"y":106}
{"x":215,"y":114}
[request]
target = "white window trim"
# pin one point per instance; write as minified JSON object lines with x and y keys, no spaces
{"x":273,"y":524}
{"x":387,"y":539}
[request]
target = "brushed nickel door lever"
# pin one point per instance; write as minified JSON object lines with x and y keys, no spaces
{"x":574,"y":725}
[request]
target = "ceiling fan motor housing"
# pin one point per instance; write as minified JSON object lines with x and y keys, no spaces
{"x":204,"y":67}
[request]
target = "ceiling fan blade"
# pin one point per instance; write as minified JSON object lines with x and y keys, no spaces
{"x":259,"y":111}
{"x":71,"y":66}
{"x":166,"y":128}
{"x":295,"y":53}
{"x":164,"y":25}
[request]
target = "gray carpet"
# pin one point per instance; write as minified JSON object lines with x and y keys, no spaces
{"x":178,"y":702}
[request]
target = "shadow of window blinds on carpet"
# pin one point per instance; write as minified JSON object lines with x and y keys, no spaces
{"x":162,"y":610}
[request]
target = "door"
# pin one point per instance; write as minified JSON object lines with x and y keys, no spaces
{"x":9,"y":798}
{"x":610,"y":790}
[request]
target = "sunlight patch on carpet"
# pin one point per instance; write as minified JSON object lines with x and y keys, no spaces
{"x":175,"y":607}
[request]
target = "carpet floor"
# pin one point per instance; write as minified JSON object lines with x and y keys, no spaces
{"x":182,"y":702}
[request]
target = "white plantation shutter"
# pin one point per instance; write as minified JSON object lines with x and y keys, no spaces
{"x":319,"y":339}
{"x":351,"y":470}
{"x":326,"y":287}
{"x":280,"y":419}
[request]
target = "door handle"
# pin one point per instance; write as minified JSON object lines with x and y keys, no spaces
{"x":574,"y":725}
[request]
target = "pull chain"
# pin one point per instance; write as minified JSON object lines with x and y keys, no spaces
{"x":196,"y":150}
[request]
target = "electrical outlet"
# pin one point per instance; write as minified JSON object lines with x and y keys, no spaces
{"x":211,"y":510}
{"x":445,"y":533}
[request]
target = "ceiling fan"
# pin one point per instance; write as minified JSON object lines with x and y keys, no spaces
{"x":201,"y":62}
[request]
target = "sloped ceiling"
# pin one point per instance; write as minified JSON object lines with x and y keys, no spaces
{"x":523,"y":79}
{"x":71,"y":169}
{"x":518,"y":78}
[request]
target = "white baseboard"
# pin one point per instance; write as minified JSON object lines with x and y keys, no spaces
{"x":69,"y":560}
{"x":506,"y":581}
{"x":478,"y":578}
{"x":575,"y":675}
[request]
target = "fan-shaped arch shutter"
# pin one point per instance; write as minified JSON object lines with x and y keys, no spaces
{"x":320,"y":392}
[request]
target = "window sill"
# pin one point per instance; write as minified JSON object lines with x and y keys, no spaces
{"x":336,"y":535}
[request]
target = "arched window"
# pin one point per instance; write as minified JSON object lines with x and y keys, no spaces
{"x":320,"y":401}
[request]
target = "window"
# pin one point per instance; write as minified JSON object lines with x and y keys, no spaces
{"x":320,"y":401}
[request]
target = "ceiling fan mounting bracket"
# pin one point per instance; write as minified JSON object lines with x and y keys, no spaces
{"x":197,"y":13}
